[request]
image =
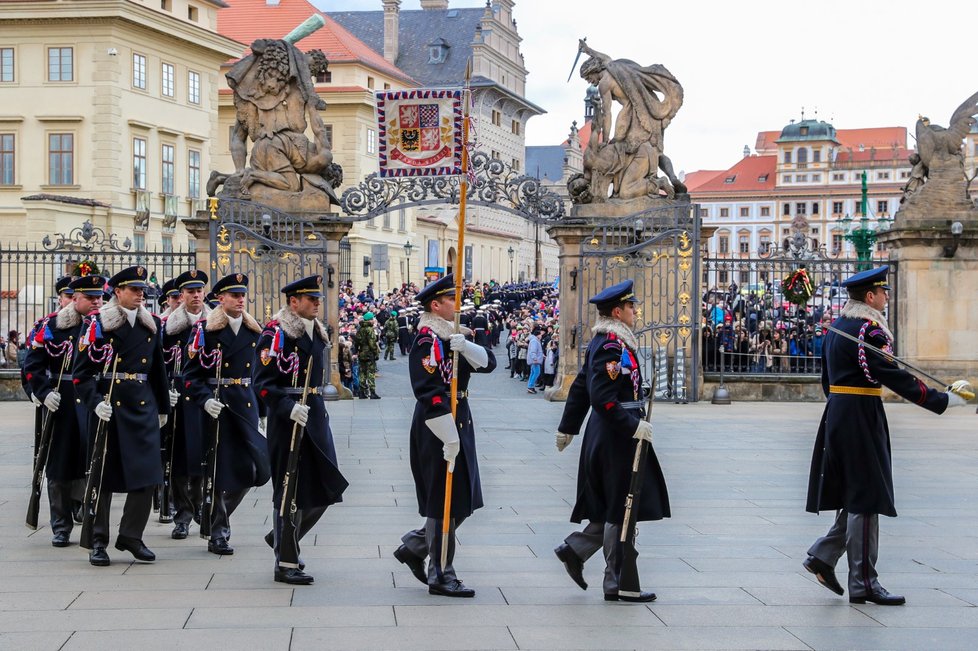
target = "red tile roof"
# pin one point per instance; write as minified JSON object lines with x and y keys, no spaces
{"x":882,"y":154}
{"x":695,"y":179}
{"x":248,"y":20}
{"x":872,"y":137}
{"x":746,"y":176}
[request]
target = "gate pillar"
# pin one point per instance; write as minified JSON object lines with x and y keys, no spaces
{"x":334,"y":232}
{"x":568,"y":234}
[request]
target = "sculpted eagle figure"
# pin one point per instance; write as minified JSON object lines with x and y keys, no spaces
{"x":936,"y":141}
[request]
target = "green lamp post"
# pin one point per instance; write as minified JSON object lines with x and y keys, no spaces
{"x":863,"y":237}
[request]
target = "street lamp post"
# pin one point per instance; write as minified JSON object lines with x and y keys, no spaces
{"x":512,"y":252}
{"x":408,"y":247}
{"x":863,"y":237}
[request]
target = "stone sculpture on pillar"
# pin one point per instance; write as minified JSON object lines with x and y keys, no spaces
{"x":938,"y":183}
{"x":623,"y":160}
{"x":275,"y":101}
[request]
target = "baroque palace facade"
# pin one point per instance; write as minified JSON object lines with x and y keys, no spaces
{"x":117,"y":110}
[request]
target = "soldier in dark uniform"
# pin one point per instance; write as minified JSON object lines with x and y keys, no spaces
{"x":480,"y":329}
{"x":851,"y":469}
{"x":48,"y":360}
{"x":289,"y":343}
{"x":126,"y":335}
{"x":169,"y":298}
{"x":187,"y":435}
{"x":404,"y":336}
{"x":437,"y":438}
{"x":610,"y":385}
{"x":227,"y":342}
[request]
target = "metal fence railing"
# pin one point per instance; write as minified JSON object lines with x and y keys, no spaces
{"x":750,"y":325}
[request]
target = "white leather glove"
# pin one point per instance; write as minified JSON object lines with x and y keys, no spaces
{"x":300,"y":414}
{"x":445,"y":429}
{"x":954,"y":400}
{"x":163,"y":420}
{"x":643,"y":431}
{"x":104,"y":411}
{"x":474,"y":353}
{"x":563,"y":440}
{"x":34,"y":399}
{"x":52,"y":401}
{"x":962,"y":388}
{"x":213,"y":407}
{"x":174,"y":398}
{"x":263,"y":425}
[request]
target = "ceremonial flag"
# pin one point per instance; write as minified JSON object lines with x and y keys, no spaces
{"x":420,"y":132}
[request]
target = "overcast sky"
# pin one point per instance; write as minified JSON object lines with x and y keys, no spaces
{"x":750,"y":66}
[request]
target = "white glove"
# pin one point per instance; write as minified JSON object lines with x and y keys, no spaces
{"x":163,"y":419}
{"x":263,"y":425}
{"x":213,"y":407}
{"x":644,"y":431}
{"x":445,"y":429}
{"x":300,"y":414}
{"x":174,"y":398}
{"x":474,"y":353}
{"x":563,"y":440}
{"x":954,"y":400}
{"x":104,"y":411}
{"x":34,"y":399}
{"x":963,"y":389}
{"x":52,"y":401}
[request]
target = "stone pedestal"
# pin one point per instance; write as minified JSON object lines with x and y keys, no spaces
{"x":937,"y":296}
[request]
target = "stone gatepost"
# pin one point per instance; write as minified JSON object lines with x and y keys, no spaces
{"x":568,"y":235}
{"x":937,"y":296}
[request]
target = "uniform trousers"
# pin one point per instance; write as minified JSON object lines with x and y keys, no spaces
{"x":305,"y":520}
{"x":858,"y":535}
{"x":62,"y":497}
{"x":225,"y":502}
{"x":426,"y":541}
{"x":135,"y":515}
{"x":595,"y":536}
{"x":187,"y":496}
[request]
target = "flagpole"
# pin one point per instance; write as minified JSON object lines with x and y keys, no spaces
{"x":459,"y":273}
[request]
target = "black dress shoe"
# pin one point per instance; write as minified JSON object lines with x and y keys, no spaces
{"x":60,"y":539}
{"x":220,"y":547}
{"x":292,"y":576}
{"x":135,"y":547}
{"x":880,"y":597}
{"x":270,"y":541}
{"x":98,"y":557}
{"x":824,"y":573}
{"x":415,"y":564}
{"x":572,"y":563}
{"x":180,"y":531}
{"x":642,"y":598}
{"x":454,"y":588}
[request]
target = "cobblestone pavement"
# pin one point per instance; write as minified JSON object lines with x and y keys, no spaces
{"x":726,"y":567}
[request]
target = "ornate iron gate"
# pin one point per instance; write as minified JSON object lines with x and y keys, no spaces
{"x":659,"y":250}
{"x":271,"y":247}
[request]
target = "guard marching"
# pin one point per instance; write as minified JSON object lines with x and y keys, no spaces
{"x":368,"y":352}
{"x":293,"y":346}
{"x":222,"y":355}
{"x":851,"y":470}
{"x":437,"y":438}
{"x":120,"y":348}
{"x":610,"y":385}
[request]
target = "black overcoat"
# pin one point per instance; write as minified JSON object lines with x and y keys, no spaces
{"x":431,"y":381}
{"x":608,"y":450}
{"x":242,"y":452}
{"x":851,"y":464}
{"x":133,"y":443}
{"x":277,"y":377}
{"x":67,"y":455}
{"x":188,"y":435}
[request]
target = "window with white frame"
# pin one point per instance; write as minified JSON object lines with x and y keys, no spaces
{"x":6,"y":64}
{"x":193,"y":87}
{"x":167,"y":80}
{"x":371,"y":141}
{"x":138,"y":71}
{"x":139,"y":163}
{"x":193,"y":174}
{"x":61,"y":158}
{"x":166,"y":159}
{"x":8,"y":157}
{"x":61,"y":64}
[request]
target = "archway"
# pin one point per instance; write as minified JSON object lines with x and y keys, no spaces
{"x":450,"y":265}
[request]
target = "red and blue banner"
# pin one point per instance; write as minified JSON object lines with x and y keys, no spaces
{"x":420,"y":132}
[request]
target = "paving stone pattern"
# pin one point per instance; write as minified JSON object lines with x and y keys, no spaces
{"x":726,"y":567}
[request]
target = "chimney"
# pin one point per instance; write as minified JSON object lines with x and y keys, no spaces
{"x":392,"y":10}
{"x":434,"y":4}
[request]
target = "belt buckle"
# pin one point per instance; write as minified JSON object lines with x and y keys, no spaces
{"x":234,"y":380}
{"x":129,"y":376}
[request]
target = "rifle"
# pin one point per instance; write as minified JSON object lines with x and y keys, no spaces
{"x":210,"y":463}
{"x":628,"y":581}
{"x":166,"y":450}
{"x":41,"y":453}
{"x":288,"y":542}
{"x":96,"y":468}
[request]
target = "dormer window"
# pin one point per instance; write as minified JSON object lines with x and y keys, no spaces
{"x":438,"y":51}
{"x":803,"y":131}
